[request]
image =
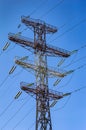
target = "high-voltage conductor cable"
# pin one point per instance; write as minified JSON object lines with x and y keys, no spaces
{"x":27,"y":114}
{"x":63,"y":106}
{"x":75,"y":61}
{"x":80,"y":67}
{"x":34,"y":11}
{"x":69,"y":80}
{"x":73,"y":70}
{"x":68,"y":72}
{"x":74,"y":52}
{"x":62,"y":26}
{"x":67,"y":22}
{"x":53,"y":34}
{"x":42,"y":4}
{"x":3,"y":112}
{"x":70,"y":29}
{"x":10,"y":49}
{"x":80,"y":59}
{"x":69,"y":94}
{"x":7,"y":91}
{"x":10,"y":72}
{"x":18,"y":73}
{"x":11,"y":83}
{"x":14,"y":114}
{"x":46,"y":13}
{"x":71,"y":53}
{"x":22,"y":99}
{"x":5,"y":79}
{"x":39,"y":6}
{"x":43,"y":14}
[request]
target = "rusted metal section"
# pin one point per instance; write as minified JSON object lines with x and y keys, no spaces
{"x":51,"y":95}
{"x":37,"y":23}
{"x":49,"y":50}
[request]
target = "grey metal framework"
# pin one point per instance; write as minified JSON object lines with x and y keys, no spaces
{"x":41,"y":50}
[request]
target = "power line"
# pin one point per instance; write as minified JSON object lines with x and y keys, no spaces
{"x":73,"y":70}
{"x":53,"y":34}
{"x":27,"y":114}
{"x":80,"y":67}
{"x":74,"y":91}
{"x":76,"y":52}
{"x":3,"y":112}
{"x":10,"y":72}
{"x":63,"y":25}
{"x":84,"y":57}
{"x":39,"y":6}
{"x":70,"y":93}
{"x":18,"y":73}
{"x":34,"y":11}
{"x":11,"y":49}
{"x":63,"y":105}
{"x":63,"y":60}
{"x":67,"y":82}
{"x":59,"y":3}
{"x":5,"y":79}
{"x":6,"y":86}
{"x":80,"y":59}
{"x":84,"y":46}
{"x":69,"y":72}
{"x":14,"y":115}
{"x":22,"y":99}
{"x":70,"y":29}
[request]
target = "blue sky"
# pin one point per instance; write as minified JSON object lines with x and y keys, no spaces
{"x":70,"y":19}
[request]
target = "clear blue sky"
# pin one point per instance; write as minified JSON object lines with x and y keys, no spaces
{"x":70,"y":19}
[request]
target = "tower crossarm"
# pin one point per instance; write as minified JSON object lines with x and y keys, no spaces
{"x":40,"y":69}
{"x":51,"y":94}
{"x":28,"y":43}
{"x":21,"y":40}
{"x":36,"y":23}
{"x":52,"y":50}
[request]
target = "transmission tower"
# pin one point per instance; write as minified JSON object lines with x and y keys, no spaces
{"x":41,"y":51}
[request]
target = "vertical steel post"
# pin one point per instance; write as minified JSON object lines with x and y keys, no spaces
{"x":43,"y":118}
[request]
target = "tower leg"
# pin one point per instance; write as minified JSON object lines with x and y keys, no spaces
{"x":43,"y":118}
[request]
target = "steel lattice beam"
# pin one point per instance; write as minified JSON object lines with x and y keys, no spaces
{"x":51,"y":95}
{"x":27,"y":43}
{"x":50,"y":72}
{"x":35,"y":23}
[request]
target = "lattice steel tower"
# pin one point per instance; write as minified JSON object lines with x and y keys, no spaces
{"x":41,"y":50}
